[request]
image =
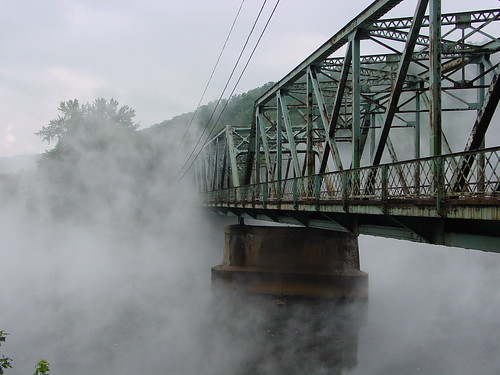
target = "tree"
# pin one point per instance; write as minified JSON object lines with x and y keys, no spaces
{"x":42,"y":367}
{"x":5,"y":362}
{"x":99,"y":161}
{"x":84,"y":120}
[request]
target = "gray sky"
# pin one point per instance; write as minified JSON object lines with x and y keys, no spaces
{"x":155,"y":56}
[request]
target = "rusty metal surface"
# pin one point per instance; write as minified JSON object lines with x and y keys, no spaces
{"x":395,"y":181}
{"x":324,"y":136}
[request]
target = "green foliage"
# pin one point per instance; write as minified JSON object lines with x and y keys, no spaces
{"x":42,"y":367}
{"x":238,"y":112}
{"x":99,"y":164}
{"x":5,"y":362}
{"x":90,"y":118}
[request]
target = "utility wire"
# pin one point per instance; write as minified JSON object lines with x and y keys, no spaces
{"x":234,"y":88}
{"x":210,"y":79}
{"x":223,"y":91}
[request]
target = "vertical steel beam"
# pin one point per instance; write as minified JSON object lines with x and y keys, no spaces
{"x":216,"y":165}
{"x":356,"y":101}
{"x":289,"y":133}
{"x":208,"y":170}
{"x":416,"y":133}
{"x":249,"y":164}
{"x":265,"y":145}
{"x":279,"y":140}
{"x":310,"y":126}
{"x":481,"y":178}
{"x":365,"y":128}
{"x":279,"y":149}
{"x":435,"y":77}
{"x":224,"y":166}
{"x":435,"y":101}
{"x":235,"y":178}
{"x":257,"y":146}
{"x":372,"y":135}
{"x":416,"y":138}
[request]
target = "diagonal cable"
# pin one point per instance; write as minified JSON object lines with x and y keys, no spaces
{"x":209,"y":80}
{"x":234,"y":88}
{"x":223,"y":91}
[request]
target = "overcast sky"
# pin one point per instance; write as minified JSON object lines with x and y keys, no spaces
{"x":153,"y":55}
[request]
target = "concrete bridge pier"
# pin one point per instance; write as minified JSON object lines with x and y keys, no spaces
{"x":291,"y":261}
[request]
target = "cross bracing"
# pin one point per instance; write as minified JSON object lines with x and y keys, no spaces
{"x":379,"y":93}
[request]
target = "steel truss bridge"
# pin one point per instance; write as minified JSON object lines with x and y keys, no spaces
{"x":383,"y":130}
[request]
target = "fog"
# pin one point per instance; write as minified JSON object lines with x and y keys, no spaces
{"x":432,"y":310}
{"x":106,"y":269}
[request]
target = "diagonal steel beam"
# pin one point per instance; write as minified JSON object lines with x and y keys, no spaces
{"x":325,"y":120}
{"x":485,"y":115}
{"x":478,"y":132}
{"x":372,"y":13}
{"x":400,"y":80}
{"x":337,"y":104}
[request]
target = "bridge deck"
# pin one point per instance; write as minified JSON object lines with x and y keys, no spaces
{"x":457,"y":208}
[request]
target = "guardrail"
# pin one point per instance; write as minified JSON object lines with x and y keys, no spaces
{"x":461,"y":175}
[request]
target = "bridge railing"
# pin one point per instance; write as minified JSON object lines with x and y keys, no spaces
{"x":461,"y":175}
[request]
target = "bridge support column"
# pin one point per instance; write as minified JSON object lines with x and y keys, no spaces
{"x":291,"y":261}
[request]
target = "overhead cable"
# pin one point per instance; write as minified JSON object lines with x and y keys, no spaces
{"x":210,"y":79}
{"x":232,"y":92}
{"x":224,"y":90}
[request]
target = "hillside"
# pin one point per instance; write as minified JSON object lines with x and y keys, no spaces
{"x":239,"y":111}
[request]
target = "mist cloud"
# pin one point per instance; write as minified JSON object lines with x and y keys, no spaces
{"x":106,"y":269}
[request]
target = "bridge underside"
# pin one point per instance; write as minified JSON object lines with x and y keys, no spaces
{"x":399,"y":200}
{"x":416,"y":221}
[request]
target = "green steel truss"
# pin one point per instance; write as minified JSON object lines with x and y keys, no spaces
{"x":383,"y":130}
